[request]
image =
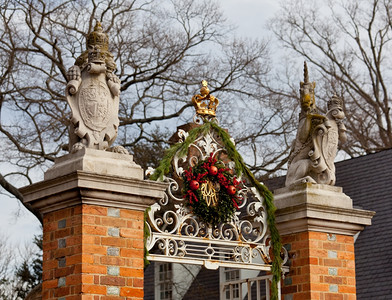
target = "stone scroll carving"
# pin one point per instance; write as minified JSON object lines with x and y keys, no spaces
{"x":314,"y":150}
{"x":93,"y":92}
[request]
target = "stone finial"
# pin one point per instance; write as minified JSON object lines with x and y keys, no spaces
{"x":306,"y":74}
{"x":307,"y":98}
{"x":98,"y":38}
{"x":93,"y":92}
{"x":97,"y":49}
{"x":314,"y":149}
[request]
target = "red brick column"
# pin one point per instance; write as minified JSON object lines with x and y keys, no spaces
{"x":317,"y":224}
{"x":93,"y":234}
{"x":322,"y":266}
{"x":93,"y":250}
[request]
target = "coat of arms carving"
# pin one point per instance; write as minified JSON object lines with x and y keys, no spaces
{"x":94,"y":105}
{"x":93,"y":92}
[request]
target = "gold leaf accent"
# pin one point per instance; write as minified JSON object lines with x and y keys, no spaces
{"x":209,"y":193}
{"x":204,"y":103}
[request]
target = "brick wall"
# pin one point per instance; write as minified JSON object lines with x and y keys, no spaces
{"x":93,"y":252}
{"x":322,"y":267}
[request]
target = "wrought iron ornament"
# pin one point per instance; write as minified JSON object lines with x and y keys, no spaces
{"x":177,"y":234}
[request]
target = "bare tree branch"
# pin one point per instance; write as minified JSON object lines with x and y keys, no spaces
{"x":347,"y":43}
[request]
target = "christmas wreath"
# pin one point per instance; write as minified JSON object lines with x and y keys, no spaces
{"x":211,"y":190}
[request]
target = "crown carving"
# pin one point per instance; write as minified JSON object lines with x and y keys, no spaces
{"x":204,"y":103}
{"x":335,"y":101}
{"x":97,"y":38}
{"x":97,"y":50}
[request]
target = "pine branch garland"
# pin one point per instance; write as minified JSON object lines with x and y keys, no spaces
{"x":181,"y":149}
{"x":147,"y":233}
{"x":241,"y":168}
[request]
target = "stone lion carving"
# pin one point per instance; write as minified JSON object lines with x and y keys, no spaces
{"x":314,"y":150}
{"x":93,"y":92}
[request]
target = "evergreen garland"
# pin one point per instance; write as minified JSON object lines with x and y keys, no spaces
{"x":146,"y":232}
{"x":240,"y":168}
{"x":181,"y":148}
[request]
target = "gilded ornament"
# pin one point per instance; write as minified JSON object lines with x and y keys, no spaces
{"x":216,"y":200}
{"x":209,"y":193}
{"x":204,"y":103}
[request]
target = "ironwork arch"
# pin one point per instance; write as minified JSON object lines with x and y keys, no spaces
{"x":177,"y":234}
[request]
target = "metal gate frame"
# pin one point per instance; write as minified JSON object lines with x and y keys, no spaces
{"x":179,"y":236}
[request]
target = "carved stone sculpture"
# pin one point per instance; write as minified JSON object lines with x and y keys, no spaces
{"x":93,"y":92}
{"x":314,"y":150}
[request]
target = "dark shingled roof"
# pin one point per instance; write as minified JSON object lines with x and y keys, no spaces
{"x":205,"y":285}
{"x":149,"y":285}
{"x":368,"y":181}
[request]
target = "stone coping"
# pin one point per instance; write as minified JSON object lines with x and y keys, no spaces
{"x":97,"y":161}
{"x":321,"y":194}
{"x":316,"y":207}
{"x":84,"y":187}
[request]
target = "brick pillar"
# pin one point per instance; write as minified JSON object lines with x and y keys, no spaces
{"x":93,"y":226}
{"x":317,"y":224}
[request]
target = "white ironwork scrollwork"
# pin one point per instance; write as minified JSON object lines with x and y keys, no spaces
{"x":178,"y":234}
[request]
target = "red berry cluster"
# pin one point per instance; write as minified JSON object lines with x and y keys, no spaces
{"x":215,"y":172}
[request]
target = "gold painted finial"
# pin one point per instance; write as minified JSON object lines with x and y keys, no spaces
{"x":204,"y":103}
{"x":98,"y":26}
{"x":204,"y":91}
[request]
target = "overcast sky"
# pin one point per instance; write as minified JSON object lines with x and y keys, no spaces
{"x":249,"y":16}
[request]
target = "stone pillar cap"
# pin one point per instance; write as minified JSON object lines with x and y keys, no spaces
{"x":81,"y":187}
{"x":96,"y":161}
{"x":95,"y":177}
{"x":318,"y":207}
